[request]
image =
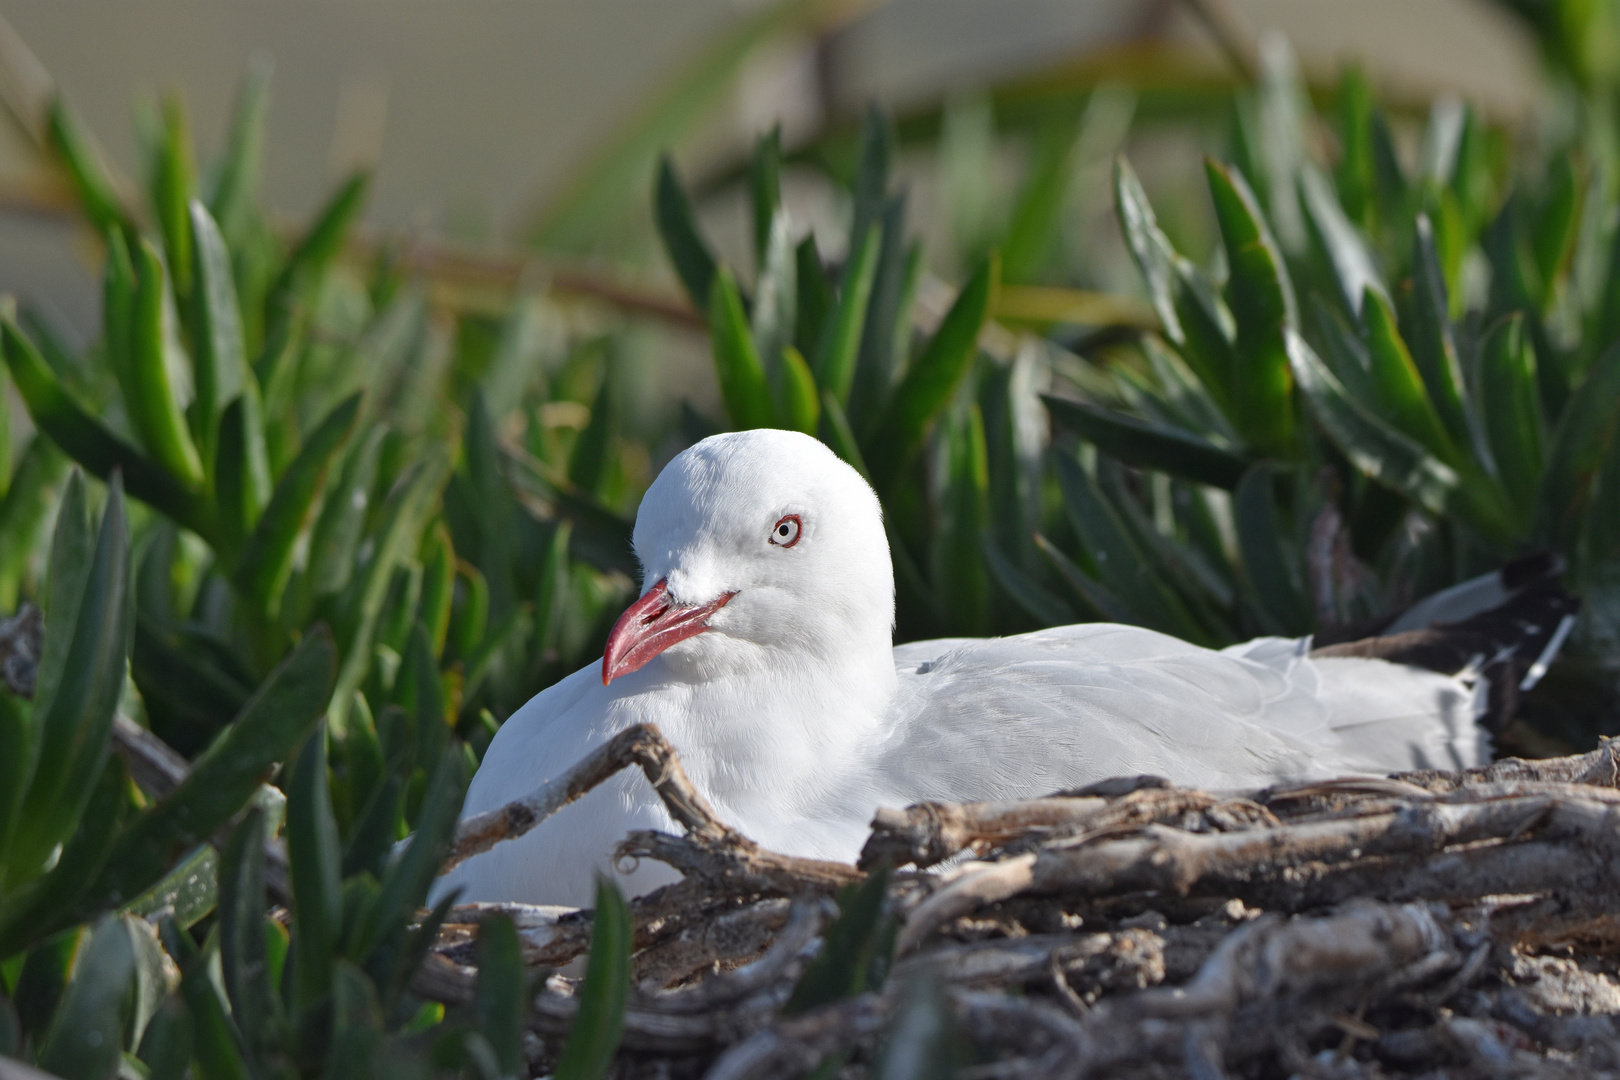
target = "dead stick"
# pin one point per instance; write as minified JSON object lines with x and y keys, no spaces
{"x":643,"y":745}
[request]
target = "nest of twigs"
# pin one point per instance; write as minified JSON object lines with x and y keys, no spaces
{"x":1433,"y":924}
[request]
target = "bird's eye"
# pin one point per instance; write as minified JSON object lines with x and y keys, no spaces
{"x":785,"y":533}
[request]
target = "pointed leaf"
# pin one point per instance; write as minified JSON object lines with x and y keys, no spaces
{"x":815,"y":296}
{"x":45,"y":905}
{"x":155,"y":408}
{"x":1401,"y":394}
{"x":799,"y":406}
{"x":87,"y":441}
{"x":236,"y":189}
{"x":1149,"y":247}
{"x":840,"y":342}
{"x":241,"y":469}
{"x":1262,"y":302}
{"x":405,"y":885}
{"x":1260,"y":542}
{"x":86,"y":1038}
{"x":283,"y":711}
{"x":765,"y":191}
{"x":677,"y":227}
{"x":1040,"y":603}
{"x":219,"y":360}
{"x":1353,"y":270}
{"x":1580,"y":446}
{"x":1038,"y":212}
{"x":776,"y":294}
{"x":335,"y":539}
{"x":1511,"y":405}
{"x":1388,"y":456}
{"x":266,"y":561}
{"x":397,"y":534}
{"x":73,"y":715}
{"x":96,"y":196}
{"x":1147,"y":444}
{"x":313,"y":856}
{"x":325,"y":238}
{"x":173,"y":182}
{"x":836,"y":433}
{"x":501,"y":999}
{"x":842,"y":968}
{"x":736,"y":362}
{"x":933,"y":379}
{"x":244,"y":966}
{"x":1098,"y":600}
{"x":1434,"y":346}
{"x":594,"y":1038}
{"x":1123,"y":568}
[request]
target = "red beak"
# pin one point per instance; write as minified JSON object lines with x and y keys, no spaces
{"x":651,"y":625}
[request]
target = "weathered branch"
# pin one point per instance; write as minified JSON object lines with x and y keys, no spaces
{"x":643,"y":746}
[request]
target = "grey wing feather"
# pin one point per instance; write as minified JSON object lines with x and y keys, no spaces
{"x":1023,"y":716}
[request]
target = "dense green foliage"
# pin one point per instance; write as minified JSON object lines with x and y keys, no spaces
{"x":319,"y":532}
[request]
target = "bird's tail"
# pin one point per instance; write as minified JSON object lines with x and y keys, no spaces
{"x":1507,"y":625}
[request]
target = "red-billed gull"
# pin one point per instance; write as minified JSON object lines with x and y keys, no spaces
{"x":761,"y":646}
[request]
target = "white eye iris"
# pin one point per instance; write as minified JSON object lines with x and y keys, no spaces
{"x":785,"y":533}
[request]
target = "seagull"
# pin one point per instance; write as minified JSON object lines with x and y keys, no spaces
{"x":761,"y":646}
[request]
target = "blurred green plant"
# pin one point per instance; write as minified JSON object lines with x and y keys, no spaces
{"x":307,"y":452}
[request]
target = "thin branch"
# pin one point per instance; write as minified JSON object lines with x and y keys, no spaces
{"x":643,"y":746}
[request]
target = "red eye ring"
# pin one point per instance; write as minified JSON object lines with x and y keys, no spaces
{"x":787,"y":530}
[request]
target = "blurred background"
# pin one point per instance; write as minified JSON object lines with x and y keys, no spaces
{"x":531,"y":129}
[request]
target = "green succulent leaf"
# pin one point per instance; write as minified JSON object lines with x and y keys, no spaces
{"x":321,"y":244}
{"x":244,"y":963}
{"x":87,"y":441}
{"x":1039,"y":602}
{"x":501,"y":995}
{"x":242,"y":485}
{"x":1510,"y":405}
{"x":1434,"y":346}
{"x":96,"y":196}
{"x":1401,"y":393}
{"x":155,"y":407}
{"x":765,"y":191}
{"x":235,"y":188}
{"x":798,"y":404}
{"x":219,"y":359}
{"x":1148,"y":444}
{"x":86,"y":1037}
{"x":1123,"y":568}
{"x":267,"y":559}
{"x":1580,"y":449}
{"x":1262,"y":303}
{"x":1152,"y":251}
{"x":1389,"y":456}
{"x":173,"y":182}
{"x":314,"y":858}
{"x":677,"y":226}
{"x":933,"y":379}
{"x":840,"y":342}
{"x":1265,"y":557}
{"x":89,"y":627}
{"x":736,"y":361}
{"x":397,"y":534}
{"x":815,"y":296}
{"x":1354,"y":271}
{"x":594,"y":1038}
{"x":282,"y":712}
{"x":858,"y":947}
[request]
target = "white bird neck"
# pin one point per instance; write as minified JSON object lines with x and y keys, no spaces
{"x":771,"y":733}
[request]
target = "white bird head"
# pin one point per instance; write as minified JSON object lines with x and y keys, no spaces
{"x":757,"y":548}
